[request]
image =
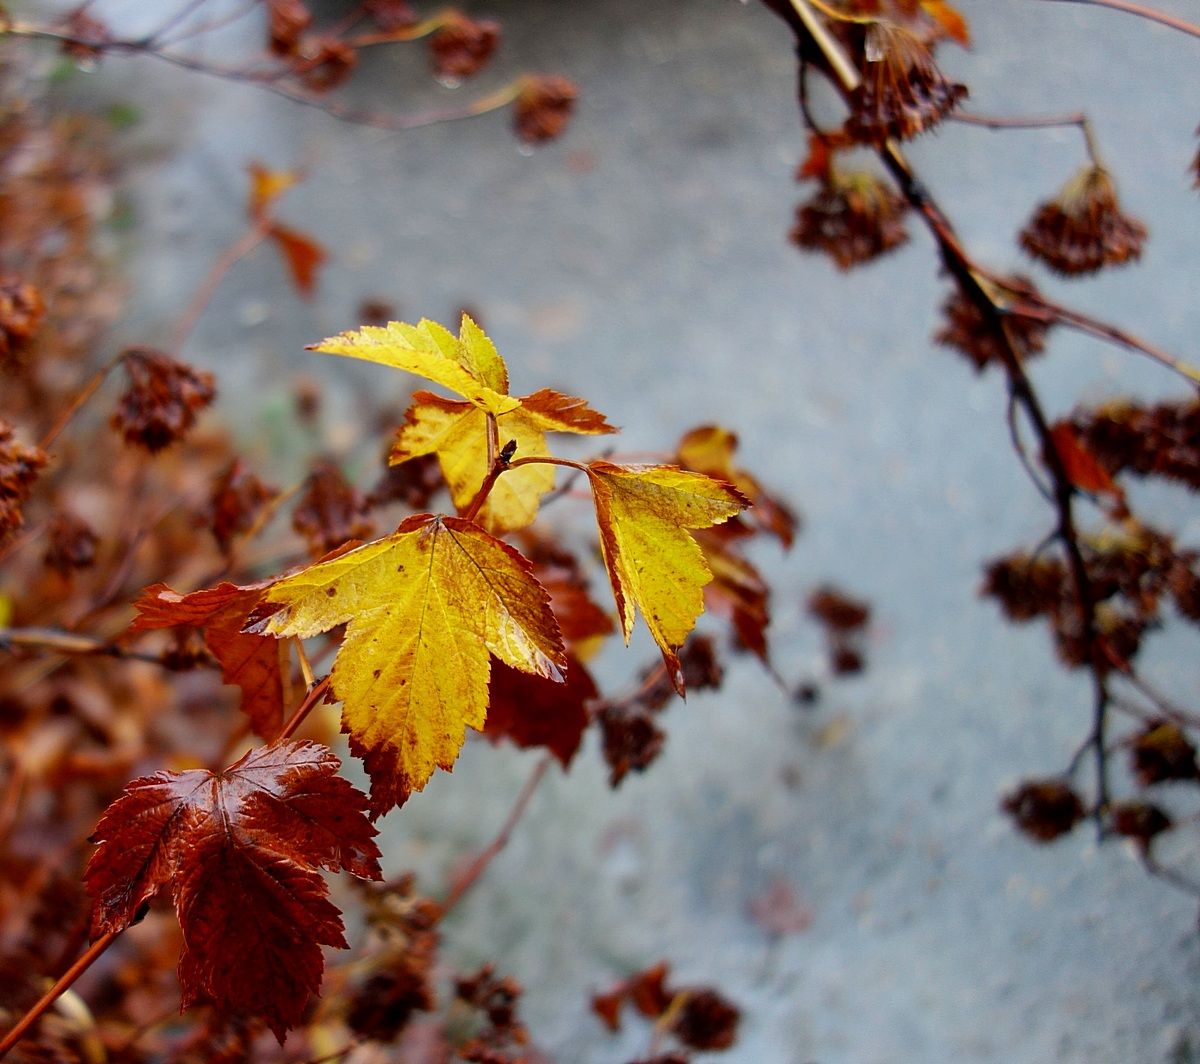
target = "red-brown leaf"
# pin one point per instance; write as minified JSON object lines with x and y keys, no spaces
{"x":1083,"y":468}
{"x":257,"y":664}
{"x":533,"y":711}
{"x":303,"y":256}
{"x":242,"y":853}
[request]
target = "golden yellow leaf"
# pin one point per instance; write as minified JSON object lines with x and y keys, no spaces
{"x":653,"y":562}
{"x":467,"y":364}
{"x":457,"y":433}
{"x":425,"y":608}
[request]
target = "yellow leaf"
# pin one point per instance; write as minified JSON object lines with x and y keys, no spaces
{"x":467,"y":364}
{"x":652,"y":561}
{"x":425,"y":609}
{"x":457,"y":433}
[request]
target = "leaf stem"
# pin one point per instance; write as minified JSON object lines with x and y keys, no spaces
{"x":233,"y":254}
{"x":485,"y":857}
{"x":1075,"y":118}
{"x":50,"y":996}
{"x":1150,"y":13}
{"x":62,"y":642}
{"x":315,"y":694}
{"x":547,"y":459}
{"x":76,"y":404}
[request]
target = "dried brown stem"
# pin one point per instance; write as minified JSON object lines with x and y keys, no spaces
{"x":1142,"y":11}
{"x":60,"y":642}
{"x":485,"y":857}
{"x":972,"y":282}
{"x":64,"y":983}
{"x":315,"y":694}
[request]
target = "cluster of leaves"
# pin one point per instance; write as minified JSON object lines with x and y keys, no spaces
{"x":439,"y":627}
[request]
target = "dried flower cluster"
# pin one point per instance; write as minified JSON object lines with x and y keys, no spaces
{"x":853,"y":218}
{"x":903,"y":93}
{"x":1083,"y":229}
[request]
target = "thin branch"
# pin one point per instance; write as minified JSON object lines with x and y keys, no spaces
{"x":1150,"y":13}
{"x":57,"y":641}
{"x":315,"y":694}
{"x":50,"y":996}
{"x":76,"y":404}
{"x":233,"y":254}
{"x":485,"y":857}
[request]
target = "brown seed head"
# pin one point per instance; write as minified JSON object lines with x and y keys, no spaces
{"x":163,"y":398}
{"x":853,"y":218}
{"x":967,"y":329}
{"x":19,"y":468}
{"x":286,"y":22}
{"x":463,"y":46}
{"x":1161,"y":751}
{"x":1044,"y":809}
{"x":1083,"y":229}
{"x":903,"y":92}
{"x":72,"y":544}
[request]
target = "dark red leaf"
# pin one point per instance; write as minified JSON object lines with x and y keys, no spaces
{"x":241,"y":852}
{"x":533,"y":711}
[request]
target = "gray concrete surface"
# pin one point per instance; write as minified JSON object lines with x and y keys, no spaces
{"x":642,"y":262}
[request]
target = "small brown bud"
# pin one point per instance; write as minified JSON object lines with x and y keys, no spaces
{"x":286,"y":22}
{"x":1138,"y":820}
{"x":706,"y":1020}
{"x":19,"y":468}
{"x":1044,"y":809}
{"x":463,"y":46}
{"x":331,"y":510}
{"x":1161,"y":751}
{"x":543,"y":107}
{"x":325,"y":64}
{"x":72,"y":544}
{"x":238,"y":498}
{"x":21,"y":312}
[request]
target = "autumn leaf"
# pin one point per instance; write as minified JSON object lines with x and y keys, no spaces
{"x":242,"y":852}
{"x":257,"y":664}
{"x":457,"y":432}
{"x":467,"y":364}
{"x":653,"y":563}
{"x":266,"y":186}
{"x":1083,"y":469}
{"x":949,"y":20}
{"x":532,"y":711}
{"x":737,"y":592}
{"x":426,"y":607}
{"x":709,"y":449}
{"x":303,"y":256}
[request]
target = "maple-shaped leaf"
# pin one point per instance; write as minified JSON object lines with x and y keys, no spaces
{"x":533,"y":711}
{"x":241,"y":852}
{"x":426,"y":607}
{"x":653,"y":562}
{"x":467,"y":364}
{"x":257,"y":664}
{"x":457,"y":433}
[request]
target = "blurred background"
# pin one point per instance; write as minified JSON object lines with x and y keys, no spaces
{"x":642,"y":261}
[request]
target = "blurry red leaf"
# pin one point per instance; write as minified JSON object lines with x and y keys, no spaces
{"x":303,"y":256}
{"x":257,"y":664}
{"x":737,"y":593}
{"x":242,"y":853}
{"x":533,"y":711}
{"x":645,"y":990}
{"x":1083,"y":468}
